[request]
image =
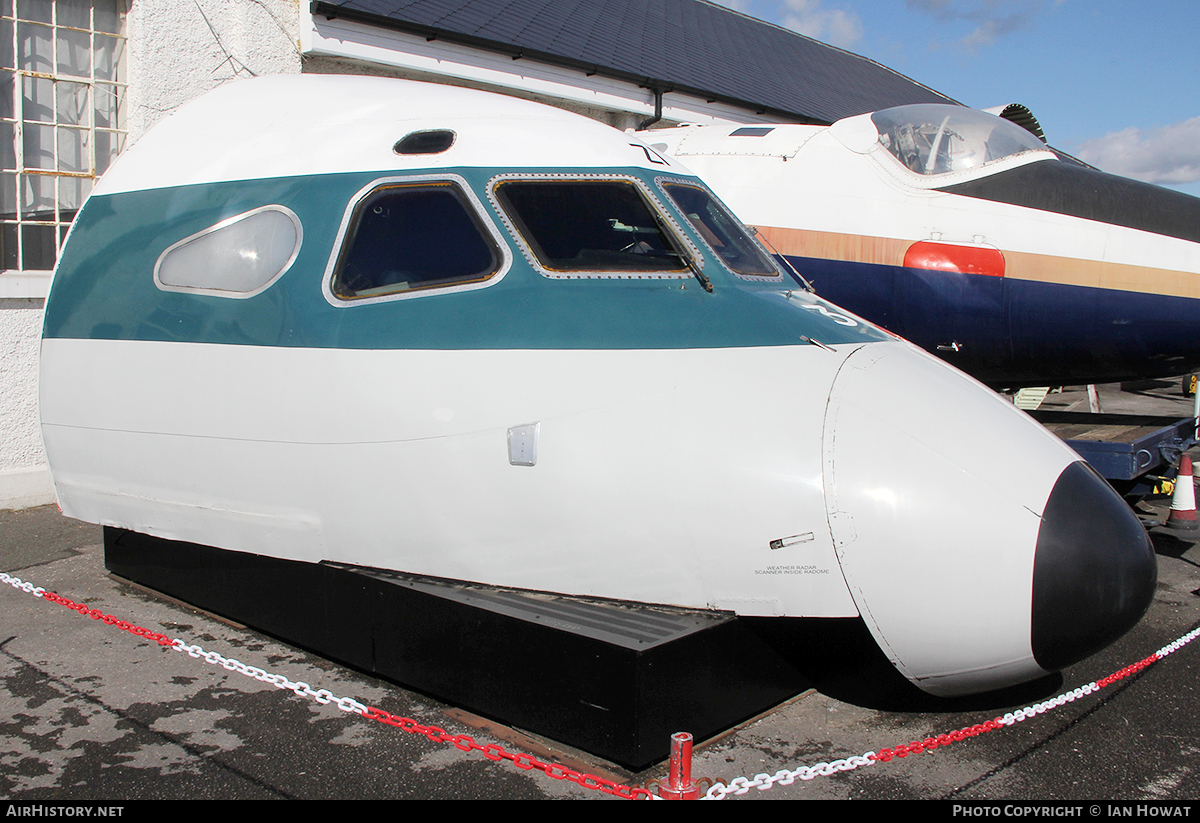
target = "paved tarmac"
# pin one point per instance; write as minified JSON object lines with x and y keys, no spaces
{"x":92,"y":713}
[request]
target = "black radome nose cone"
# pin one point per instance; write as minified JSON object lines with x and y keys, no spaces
{"x":1094,"y":572}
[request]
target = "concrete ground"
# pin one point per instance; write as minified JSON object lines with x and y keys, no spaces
{"x":89,"y":712}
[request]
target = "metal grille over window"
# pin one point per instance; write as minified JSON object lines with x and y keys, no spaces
{"x":62,"y":91}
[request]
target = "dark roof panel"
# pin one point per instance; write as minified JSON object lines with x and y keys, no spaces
{"x":692,"y":46}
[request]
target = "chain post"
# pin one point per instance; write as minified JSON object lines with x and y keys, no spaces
{"x":679,"y":781}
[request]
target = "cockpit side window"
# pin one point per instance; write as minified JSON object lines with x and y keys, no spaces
{"x":406,"y":237}
{"x":933,"y":139}
{"x":238,"y":257}
{"x":721,"y":231}
{"x":589,"y":227}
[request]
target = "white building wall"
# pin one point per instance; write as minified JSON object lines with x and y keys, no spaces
{"x":24,"y":479}
{"x":179,"y":50}
{"x":176,"y":51}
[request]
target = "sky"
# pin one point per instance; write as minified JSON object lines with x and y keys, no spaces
{"x":1113,"y":82}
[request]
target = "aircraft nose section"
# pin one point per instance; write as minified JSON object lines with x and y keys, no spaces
{"x":1094,"y":570}
{"x":979,"y":550}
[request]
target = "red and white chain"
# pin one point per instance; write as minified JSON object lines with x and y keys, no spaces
{"x":18,"y":583}
{"x":738,"y":785}
{"x":460,"y":741}
{"x":784,"y":777}
{"x":466,"y":743}
{"x":302,"y":689}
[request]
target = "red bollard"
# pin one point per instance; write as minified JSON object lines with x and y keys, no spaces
{"x":679,"y":780}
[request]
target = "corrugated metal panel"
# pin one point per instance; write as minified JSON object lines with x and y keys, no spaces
{"x":689,"y":45}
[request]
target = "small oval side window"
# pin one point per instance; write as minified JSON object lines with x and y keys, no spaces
{"x":238,"y":257}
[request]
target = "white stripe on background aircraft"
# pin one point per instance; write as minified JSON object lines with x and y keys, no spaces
{"x":966,"y":234}
{"x":455,"y":334}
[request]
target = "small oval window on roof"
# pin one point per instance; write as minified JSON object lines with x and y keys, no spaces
{"x":425,"y":142}
{"x":238,"y":257}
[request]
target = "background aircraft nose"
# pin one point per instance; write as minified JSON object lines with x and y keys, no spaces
{"x":1094,"y":570}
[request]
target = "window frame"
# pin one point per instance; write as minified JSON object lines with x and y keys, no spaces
{"x":475,"y":210}
{"x":780,"y":276}
{"x":237,"y":218}
{"x":658,"y":209}
{"x":969,"y":120}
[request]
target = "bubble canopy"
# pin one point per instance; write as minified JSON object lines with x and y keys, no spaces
{"x":938,"y":139}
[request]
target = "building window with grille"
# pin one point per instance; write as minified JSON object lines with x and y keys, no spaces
{"x":62,"y":93}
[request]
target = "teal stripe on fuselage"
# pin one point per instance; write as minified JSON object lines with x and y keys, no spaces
{"x":104,"y":287}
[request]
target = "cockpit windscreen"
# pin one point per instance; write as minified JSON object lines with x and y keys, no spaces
{"x":937,"y":139}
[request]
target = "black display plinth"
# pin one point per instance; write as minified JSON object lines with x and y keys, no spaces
{"x":613,"y":679}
